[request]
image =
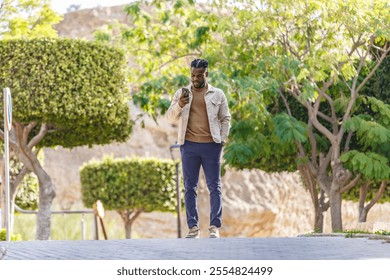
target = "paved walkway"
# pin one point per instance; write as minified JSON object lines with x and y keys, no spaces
{"x":277,"y":248}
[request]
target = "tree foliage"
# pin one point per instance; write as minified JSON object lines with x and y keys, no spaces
{"x":28,"y":191}
{"x":294,"y":73}
{"x":65,"y":92}
{"x":377,"y":94}
{"x":75,"y":87}
{"x":13,"y":237}
{"x":27,"y":19}
{"x":134,"y":185}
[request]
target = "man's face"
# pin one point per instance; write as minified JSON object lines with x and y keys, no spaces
{"x":198,"y":77}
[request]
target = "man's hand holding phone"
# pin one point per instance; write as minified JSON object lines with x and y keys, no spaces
{"x":184,"y":97}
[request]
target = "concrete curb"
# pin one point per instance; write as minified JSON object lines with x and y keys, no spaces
{"x":371,"y":236}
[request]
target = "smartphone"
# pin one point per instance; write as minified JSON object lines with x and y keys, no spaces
{"x":186,"y":92}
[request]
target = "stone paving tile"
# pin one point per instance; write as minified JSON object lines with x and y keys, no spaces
{"x":289,"y":248}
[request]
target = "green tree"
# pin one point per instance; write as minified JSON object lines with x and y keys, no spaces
{"x":130,"y":186}
{"x":24,"y":19}
{"x":27,"y":19}
{"x":276,"y":60}
{"x":310,"y":55}
{"x":65,"y":93}
{"x":373,"y":191}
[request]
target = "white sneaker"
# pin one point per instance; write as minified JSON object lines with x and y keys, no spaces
{"x":213,"y":232}
{"x":194,"y":232}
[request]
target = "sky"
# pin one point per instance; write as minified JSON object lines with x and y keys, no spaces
{"x":60,"y":6}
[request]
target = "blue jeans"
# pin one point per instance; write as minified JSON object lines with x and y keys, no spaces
{"x":193,"y":156}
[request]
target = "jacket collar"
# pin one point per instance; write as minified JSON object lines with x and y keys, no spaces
{"x":210,"y":90}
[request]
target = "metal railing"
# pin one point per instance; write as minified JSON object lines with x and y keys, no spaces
{"x":67,"y":212}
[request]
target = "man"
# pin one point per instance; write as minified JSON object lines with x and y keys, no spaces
{"x":204,"y":122}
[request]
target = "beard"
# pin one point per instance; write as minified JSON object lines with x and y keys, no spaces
{"x":199,"y":85}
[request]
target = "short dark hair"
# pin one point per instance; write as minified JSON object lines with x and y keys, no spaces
{"x":200,"y":63}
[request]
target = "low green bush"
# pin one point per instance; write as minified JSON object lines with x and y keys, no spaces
{"x":130,"y":186}
{"x":13,"y":237}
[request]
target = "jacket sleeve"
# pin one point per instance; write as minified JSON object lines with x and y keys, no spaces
{"x":174,"y":111}
{"x":224,"y":118}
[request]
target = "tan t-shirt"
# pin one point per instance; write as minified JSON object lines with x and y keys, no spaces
{"x":198,"y":128}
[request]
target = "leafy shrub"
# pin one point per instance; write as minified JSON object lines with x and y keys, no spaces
{"x":76,"y":87}
{"x":13,"y":237}
{"x":130,"y":183}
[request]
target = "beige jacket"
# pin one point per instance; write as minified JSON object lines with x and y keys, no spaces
{"x":217,"y":113}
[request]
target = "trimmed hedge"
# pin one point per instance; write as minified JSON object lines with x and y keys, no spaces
{"x":130,"y":184}
{"x":75,"y":86}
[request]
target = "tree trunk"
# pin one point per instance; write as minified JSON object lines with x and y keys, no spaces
{"x":319,"y":213}
{"x":362,"y":200}
{"x":340,"y":176}
{"x":318,"y":221}
{"x":128,"y":221}
{"x":128,"y":217}
{"x":364,"y":209}
{"x":128,"y":224}
{"x":23,"y":147}
{"x":335,"y":208}
{"x":363,"y":216}
{"x":46,"y":196}
{"x":46,"y":193}
{"x":14,"y":187}
{"x":310,"y":182}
